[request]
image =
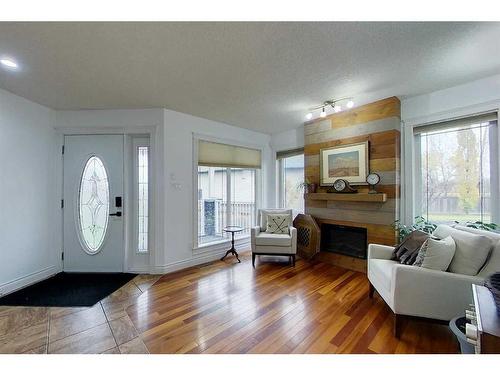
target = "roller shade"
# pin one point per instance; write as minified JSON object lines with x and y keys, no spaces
{"x":289,"y":153}
{"x":211,"y":154}
{"x":456,"y":123}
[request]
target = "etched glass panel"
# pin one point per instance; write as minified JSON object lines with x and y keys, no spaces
{"x":93,"y":204}
{"x":142,"y":163}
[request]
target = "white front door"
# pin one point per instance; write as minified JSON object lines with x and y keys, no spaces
{"x":93,"y":203}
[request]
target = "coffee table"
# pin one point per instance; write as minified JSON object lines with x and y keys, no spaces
{"x":232,"y":229}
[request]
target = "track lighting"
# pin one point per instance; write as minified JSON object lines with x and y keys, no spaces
{"x":334,"y":103}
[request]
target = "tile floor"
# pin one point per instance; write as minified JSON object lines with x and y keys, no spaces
{"x":103,"y":328}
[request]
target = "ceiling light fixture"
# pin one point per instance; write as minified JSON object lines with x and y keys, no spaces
{"x":9,"y":63}
{"x":334,"y":103}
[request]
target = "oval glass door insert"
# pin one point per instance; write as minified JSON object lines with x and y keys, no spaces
{"x":93,"y":205}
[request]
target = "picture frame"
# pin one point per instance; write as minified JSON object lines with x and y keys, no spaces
{"x":349,"y":162}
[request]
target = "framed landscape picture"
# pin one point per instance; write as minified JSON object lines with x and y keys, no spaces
{"x":349,"y":162}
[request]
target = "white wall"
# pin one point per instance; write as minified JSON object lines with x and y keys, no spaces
{"x":179,"y":130}
{"x":173,"y":145}
{"x":462,"y":100}
{"x":288,"y":140}
{"x":30,"y":248}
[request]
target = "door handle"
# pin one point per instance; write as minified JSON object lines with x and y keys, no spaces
{"x":119,"y":214}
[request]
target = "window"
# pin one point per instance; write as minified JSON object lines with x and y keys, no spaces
{"x":93,"y":205}
{"x":291,"y":173}
{"x":142,"y":198}
{"x":226,"y":192}
{"x":456,"y":177}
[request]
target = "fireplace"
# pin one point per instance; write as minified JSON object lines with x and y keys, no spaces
{"x":344,"y":240}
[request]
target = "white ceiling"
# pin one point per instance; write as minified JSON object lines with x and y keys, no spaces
{"x":260,"y":76}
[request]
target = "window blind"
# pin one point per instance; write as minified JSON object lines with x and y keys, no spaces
{"x":212,"y":154}
{"x":289,"y":153}
{"x":456,"y":123}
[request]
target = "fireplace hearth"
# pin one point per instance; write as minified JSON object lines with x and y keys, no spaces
{"x":345,"y":240}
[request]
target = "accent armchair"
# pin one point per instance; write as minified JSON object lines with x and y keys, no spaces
{"x":264,"y":243}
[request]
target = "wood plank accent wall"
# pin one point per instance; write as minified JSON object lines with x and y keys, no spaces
{"x":378,"y":123}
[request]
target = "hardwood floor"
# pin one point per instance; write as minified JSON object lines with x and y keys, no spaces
{"x":229,"y":307}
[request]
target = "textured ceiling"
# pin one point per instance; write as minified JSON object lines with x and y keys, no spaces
{"x":260,"y":76}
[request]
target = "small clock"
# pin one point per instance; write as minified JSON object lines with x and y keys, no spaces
{"x":372,"y":179}
{"x":342,"y":186}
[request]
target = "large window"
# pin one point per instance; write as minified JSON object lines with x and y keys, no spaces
{"x":227,"y":193}
{"x":291,"y":178}
{"x":457,"y":170}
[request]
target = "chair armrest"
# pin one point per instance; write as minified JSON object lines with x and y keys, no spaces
{"x":380,"y":251}
{"x":293,"y":234}
{"x":254,"y":231}
{"x":430,"y":293}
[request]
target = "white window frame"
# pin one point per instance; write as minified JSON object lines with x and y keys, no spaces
{"x":136,"y":143}
{"x":281,"y":174}
{"x":409,"y":164}
{"x":258,"y":189}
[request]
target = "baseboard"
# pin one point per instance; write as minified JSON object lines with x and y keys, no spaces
{"x":32,"y":278}
{"x":198,"y":259}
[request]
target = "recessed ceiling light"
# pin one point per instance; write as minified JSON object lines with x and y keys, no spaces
{"x":9,"y":63}
{"x":337,"y":108}
{"x":350,"y":104}
{"x":309,"y":116}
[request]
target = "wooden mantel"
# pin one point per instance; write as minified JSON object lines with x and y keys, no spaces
{"x":348,"y":197}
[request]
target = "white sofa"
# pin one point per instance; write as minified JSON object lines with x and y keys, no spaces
{"x":273,"y":244}
{"x":425,"y":293}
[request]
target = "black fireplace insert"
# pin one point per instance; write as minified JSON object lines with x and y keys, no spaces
{"x":345,"y":240}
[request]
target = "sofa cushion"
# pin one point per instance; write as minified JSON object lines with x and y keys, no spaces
{"x":471,"y":252}
{"x":436,"y":254}
{"x":267,"y":239}
{"x":492,"y":264}
{"x":271,"y":250}
{"x":381,"y":269}
{"x":406,"y":252}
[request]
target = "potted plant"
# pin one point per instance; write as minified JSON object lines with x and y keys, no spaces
{"x":428,"y":227}
{"x":307,"y":186}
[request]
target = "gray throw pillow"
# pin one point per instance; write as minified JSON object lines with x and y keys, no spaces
{"x":406,"y":252}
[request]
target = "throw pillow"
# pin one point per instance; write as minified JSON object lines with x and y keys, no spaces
{"x":278,"y":223}
{"x":406,"y":252}
{"x":436,"y":254}
{"x":471,"y":252}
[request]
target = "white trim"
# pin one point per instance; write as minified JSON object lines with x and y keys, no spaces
{"x":32,"y":278}
{"x":204,"y":257}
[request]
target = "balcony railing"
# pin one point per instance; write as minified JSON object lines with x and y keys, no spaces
{"x":213,"y":215}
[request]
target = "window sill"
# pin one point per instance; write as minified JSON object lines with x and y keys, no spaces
{"x":219,"y":245}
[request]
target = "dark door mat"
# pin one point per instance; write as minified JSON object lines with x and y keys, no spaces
{"x":68,"y":290}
